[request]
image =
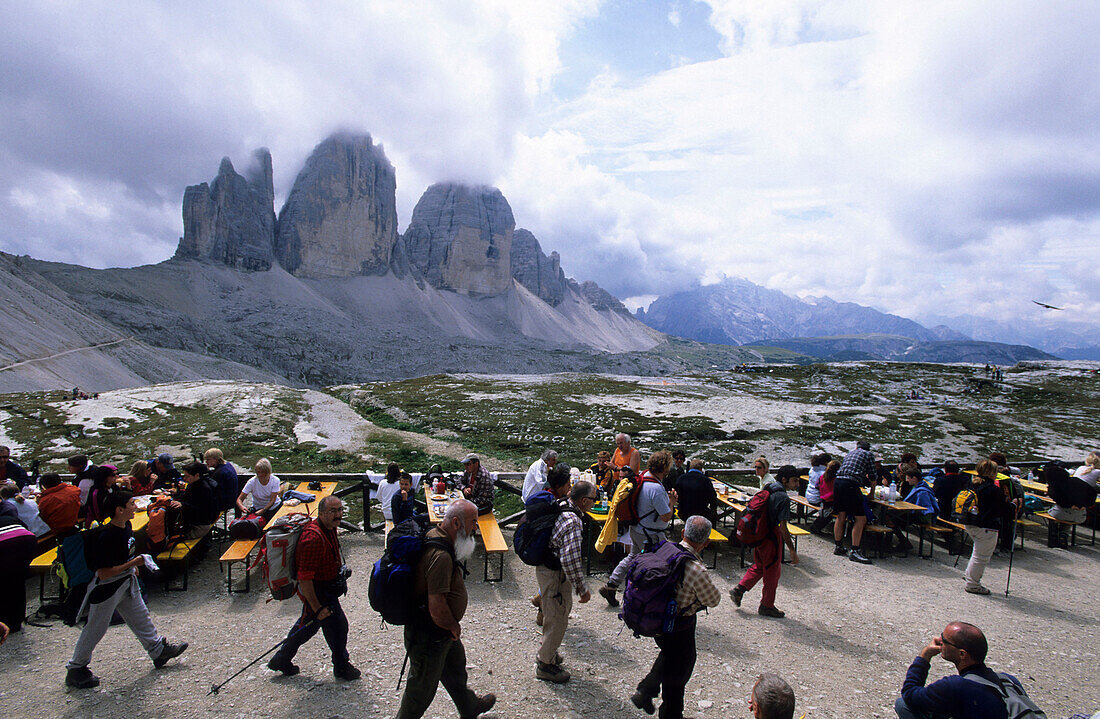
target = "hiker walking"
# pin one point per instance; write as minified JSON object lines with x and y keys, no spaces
{"x":115,"y":588}
{"x":766,"y":556}
{"x":675,"y":662}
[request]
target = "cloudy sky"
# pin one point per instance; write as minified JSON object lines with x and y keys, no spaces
{"x":925,"y":158}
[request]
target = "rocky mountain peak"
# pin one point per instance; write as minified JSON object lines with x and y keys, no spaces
{"x":460,"y":238}
{"x":535,"y":271}
{"x":340,"y":218}
{"x":231,"y":220}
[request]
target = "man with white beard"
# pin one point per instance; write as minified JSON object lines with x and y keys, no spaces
{"x":433,"y":641}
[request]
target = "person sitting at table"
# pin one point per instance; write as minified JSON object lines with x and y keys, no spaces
{"x":82,"y":468}
{"x":907,"y":460}
{"x":263,"y":488}
{"x":1072,"y":497}
{"x":771,"y":698}
{"x":818,"y":462}
{"x":387,"y":488}
{"x":17,"y":548}
{"x":982,"y":524}
{"x":823,"y":490}
{"x":403,"y":503}
{"x":696,"y":493}
{"x":199,"y":501}
{"x":626,"y":455}
{"x":947,"y":486}
{"x":535,"y":480}
{"x":676,"y":471}
{"x":10,"y":471}
{"x":760,"y":467}
{"x":918,"y":492}
{"x":1089,"y":472}
{"x":59,"y":503}
{"x":223,"y":476}
{"x":104,"y":479}
{"x":141,"y":479}
{"x":165,"y":474}
{"x":7,"y":503}
{"x":604,"y":472}
{"x":27,"y":510}
{"x":477,"y":485}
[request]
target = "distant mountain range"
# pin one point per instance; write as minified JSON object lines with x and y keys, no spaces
{"x":739,"y":312}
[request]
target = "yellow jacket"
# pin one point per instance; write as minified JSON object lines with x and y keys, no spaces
{"x":610,"y":533}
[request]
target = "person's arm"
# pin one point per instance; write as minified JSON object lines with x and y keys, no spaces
{"x":672,"y":499}
{"x":936,"y":698}
{"x":3,"y":632}
{"x":442,"y":616}
{"x":636,"y":461}
{"x":309,"y":594}
{"x":106,"y":573}
{"x":240,"y":503}
{"x":785,"y":535}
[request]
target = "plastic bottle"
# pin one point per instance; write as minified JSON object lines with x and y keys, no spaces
{"x":893,"y":495}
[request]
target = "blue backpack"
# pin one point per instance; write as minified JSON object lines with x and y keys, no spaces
{"x":390,"y":590}
{"x":649,"y":601}
{"x":532,"y":538}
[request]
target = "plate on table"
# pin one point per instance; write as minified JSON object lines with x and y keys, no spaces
{"x":439,"y":497}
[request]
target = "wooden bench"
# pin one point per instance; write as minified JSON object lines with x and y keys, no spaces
{"x":239,"y":551}
{"x":493,"y":541}
{"x":1053,"y":523}
{"x":183,"y":553}
{"x":879,"y":531}
{"x":956,"y":528}
{"x":716,"y":538}
{"x":42,"y":565}
{"x":795,"y":533}
{"x":1023,"y":525}
{"x":934,"y":529}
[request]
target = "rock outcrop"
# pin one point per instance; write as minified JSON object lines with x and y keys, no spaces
{"x":232,"y":220}
{"x":598,"y":297}
{"x":340,"y":218}
{"x":535,"y":271}
{"x":460,"y":238}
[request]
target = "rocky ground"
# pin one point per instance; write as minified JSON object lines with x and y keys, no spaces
{"x":849,"y":635}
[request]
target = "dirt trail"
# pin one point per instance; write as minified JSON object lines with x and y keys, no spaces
{"x":67,"y":352}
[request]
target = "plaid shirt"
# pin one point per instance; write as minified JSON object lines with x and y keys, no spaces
{"x":859,"y":467}
{"x":318,"y":553}
{"x":483,"y":487}
{"x":566,"y":540}
{"x":697,"y":590}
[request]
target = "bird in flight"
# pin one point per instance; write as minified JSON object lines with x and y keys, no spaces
{"x":1049,"y":307}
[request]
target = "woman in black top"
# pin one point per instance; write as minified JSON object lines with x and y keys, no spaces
{"x":982,"y":524}
{"x":110,"y":554}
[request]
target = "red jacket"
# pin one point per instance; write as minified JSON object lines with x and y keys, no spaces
{"x":59,"y":506}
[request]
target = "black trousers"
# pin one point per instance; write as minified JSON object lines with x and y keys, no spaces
{"x":672,"y":669}
{"x":434,"y":657}
{"x":15,"y":559}
{"x":334,"y":627}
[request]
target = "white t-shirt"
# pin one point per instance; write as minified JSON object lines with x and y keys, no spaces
{"x":261,"y":493}
{"x":1087,"y":473}
{"x":28,"y":514}
{"x":535,"y":479}
{"x":385,"y":493}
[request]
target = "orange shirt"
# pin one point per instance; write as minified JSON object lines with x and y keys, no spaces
{"x":633,"y":459}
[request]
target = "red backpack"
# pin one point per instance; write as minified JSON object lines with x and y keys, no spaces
{"x":626,"y":511}
{"x":753,"y":526}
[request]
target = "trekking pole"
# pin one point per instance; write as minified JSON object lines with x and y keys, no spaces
{"x":1011,"y":553}
{"x":217,"y":687}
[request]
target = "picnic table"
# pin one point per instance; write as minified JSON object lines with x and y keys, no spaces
{"x":240,"y":550}
{"x":492,"y":539}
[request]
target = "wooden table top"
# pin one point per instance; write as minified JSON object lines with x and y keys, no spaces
{"x":327,"y":488}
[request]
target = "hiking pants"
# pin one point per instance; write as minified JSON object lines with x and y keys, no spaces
{"x":639,"y":538}
{"x":434,"y":659}
{"x":985,"y":541}
{"x":334,"y":627}
{"x":128,"y":602}
{"x":672,"y":669}
{"x":557,"y":601}
{"x":16,"y":554}
{"x":904,"y":711}
{"x":766,"y":566}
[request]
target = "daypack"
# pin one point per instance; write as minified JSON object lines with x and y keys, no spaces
{"x":753,"y":526}
{"x":247,"y":527}
{"x":1018,"y":703}
{"x":277,"y":555}
{"x":532,"y":538}
{"x":1066,"y":490}
{"x":649,"y":601}
{"x":626,"y":511}
{"x":965,"y":507}
{"x":390,"y":590}
{"x":165,"y":525}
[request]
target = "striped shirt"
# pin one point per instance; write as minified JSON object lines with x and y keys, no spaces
{"x":566,"y":543}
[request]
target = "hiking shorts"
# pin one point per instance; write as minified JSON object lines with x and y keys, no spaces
{"x":847,"y":498}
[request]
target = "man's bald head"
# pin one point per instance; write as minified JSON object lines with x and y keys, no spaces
{"x":968,"y":638}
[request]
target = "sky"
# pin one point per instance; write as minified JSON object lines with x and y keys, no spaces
{"x":931,"y":159}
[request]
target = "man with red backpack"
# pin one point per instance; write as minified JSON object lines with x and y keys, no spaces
{"x":773,"y":506}
{"x":647,"y":511}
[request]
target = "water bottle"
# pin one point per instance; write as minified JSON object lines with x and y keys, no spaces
{"x":670,"y":616}
{"x":893,"y":495}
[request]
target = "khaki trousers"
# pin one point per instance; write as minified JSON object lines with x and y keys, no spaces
{"x":557,"y":601}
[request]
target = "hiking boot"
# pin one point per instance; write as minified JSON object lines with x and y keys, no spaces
{"x":608,"y":592}
{"x":536,"y":601}
{"x":643,"y":703}
{"x":81,"y":678}
{"x":551,"y":673}
{"x":347,"y":672}
{"x":285,"y":666}
{"x":170,"y":651}
{"x":978,"y":590}
{"x":539,"y":618}
{"x":736,"y":593}
{"x":558,"y":661}
{"x":483,"y":705}
{"x":770,"y":612}
{"x":857,"y":556}
{"x":839,"y":550}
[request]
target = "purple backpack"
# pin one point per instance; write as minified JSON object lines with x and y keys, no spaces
{"x":649,"y":602}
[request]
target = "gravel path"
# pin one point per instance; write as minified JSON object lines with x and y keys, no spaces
{"x":848,"y":638}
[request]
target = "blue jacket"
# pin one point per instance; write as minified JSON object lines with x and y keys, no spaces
{"x":922,"y":495}
{"x":227,"y":486}
{"x":954,"y":697}
{"x":17,"y":474}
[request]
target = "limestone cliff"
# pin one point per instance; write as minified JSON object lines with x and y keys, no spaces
{"x":535,"y":271}
{"x":460,"y":238}
{"x":231,"y":220}
{"x":340,"y":218}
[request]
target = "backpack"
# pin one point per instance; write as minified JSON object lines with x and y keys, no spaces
{"x":277,"y":555}
{"x":649,"y":601}
{"x":248,"y":527}
{"x":753,"y":526}
{"x":626,"y":511}
{"x":390,"y":590}
{"x":532,"y":538}
{"x":965,"y":506}
{"x":1018,"y":703}
{"x":165,"y":525}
